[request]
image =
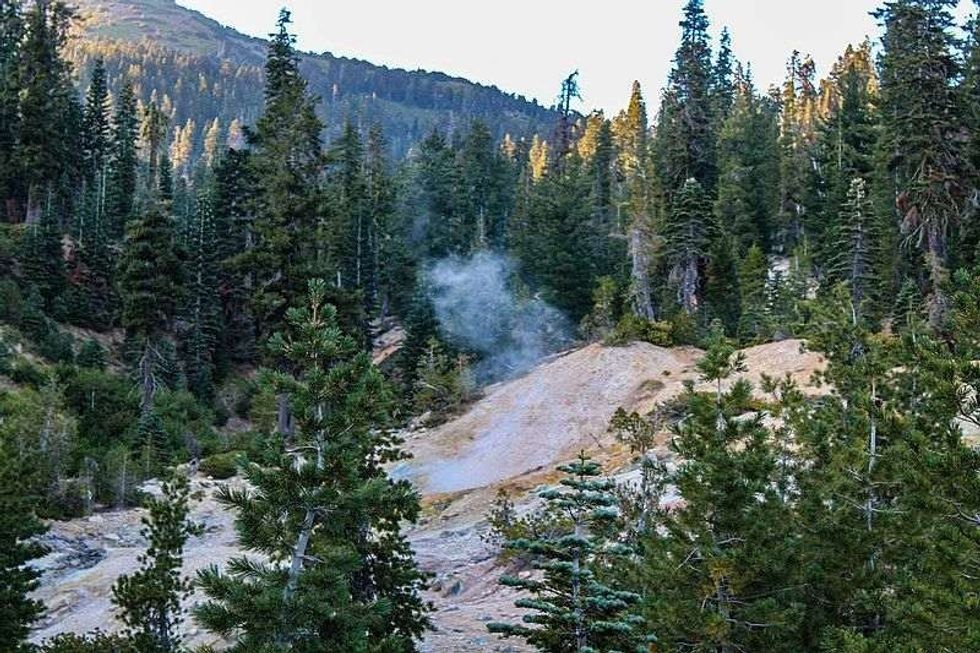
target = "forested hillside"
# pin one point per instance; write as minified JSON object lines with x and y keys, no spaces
{"x":201,"y":72}
{"x":199,"y":277}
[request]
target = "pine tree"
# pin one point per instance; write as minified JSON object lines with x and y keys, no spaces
{"x":47,"y":105}
{"x":285,"y":163}
{"x":483,"y":201}
{"x":435,"y":177}
{"x":922,"y":131}
{"x":885,"y":548}
{"x":97,"y":125}
{"x":154,"y":124}
{"x":857,"y":249}
{"x":11,"y":36}
{"x":149,"y":600}
{"x":43,"y":260}
{"x":556,"y":247}
{"x":574,"y":608}
{"x":121,"y":188}
{"x":796,"y":140}
{"x":233,"y":236}
{"x":324,"y":514}
{"x":348,"y":238}
{"x":18,"y":525}
{"x":722,"y":299}
{"x":391,"y":281}
{"x":716,"y":570}
{"x":748,"y":170}
{"x":846,"y":138}
{"x":724,"y":78}
{"x":752,"y":278}
{"x":630,"y":132}
{"x":968,"y":248}
{"x":202,"y":312}
{"x":686,"y":234}
{"x":685,"y":144}
{"x":151,"y":279}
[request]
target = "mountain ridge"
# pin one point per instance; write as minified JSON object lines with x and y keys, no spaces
{"x":132,"y":35}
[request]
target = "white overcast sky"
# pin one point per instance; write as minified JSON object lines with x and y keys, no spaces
{"x":528,"y":46}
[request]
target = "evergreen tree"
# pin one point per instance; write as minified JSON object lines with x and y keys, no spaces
{"x":11,"y":36}
{"x":575,"y":609}
{"x":324,"y":514}
{"x":686,"y":233}
{"x":716,"y":570}
{"x":149,"y":600}
{"x":43,"y":260}
{"x":97,"y":125}
{"x":748,"y":170}
{"x":233,"y":236}
{"x":922,"y":131}
{"x":18,"y":525}
{"x":348,"y":243}
{"x":556,"y":249}
{"x":685,"y":144}
{"x":856,"y":250}
{"x":434,"y":179}
{"x":752,"y":278}
{"x":882,"y":559}
{"x":121,"y":188}
{"x":151,"y":278}
{"x":48,"y":106}
{"x":721,"y":284}
{"x":723,"y":78}
{"x":285,"y":163}
{"x":798,"y":100}
{"x":630,"y":132}
{"x":390,"y":286}
{"x":845,"y":142}
{"x":202,"y":313}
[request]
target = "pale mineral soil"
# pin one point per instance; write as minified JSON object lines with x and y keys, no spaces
{"x":512,"y":438}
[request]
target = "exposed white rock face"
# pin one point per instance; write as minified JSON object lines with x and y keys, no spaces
{"x":513,"y":438}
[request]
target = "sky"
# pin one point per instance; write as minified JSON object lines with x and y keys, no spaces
{"x":528,"y":46}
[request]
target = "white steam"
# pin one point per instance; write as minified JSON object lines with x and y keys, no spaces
{"x":478,"y":310}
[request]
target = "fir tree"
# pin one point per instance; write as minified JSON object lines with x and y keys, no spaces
{"x":202,"y":312}
{"x":151,"y":277}
{"x":149,"y":600}
{"x":630,"y":132}
{"x":121,"y":188}
{"x":43,"y":260}
{"x":685,"y":144}
{"x":323,"y":513}
{"x":97,"y":126}
{"x":922,"y":131}
{"x":752,"y":278}
{"x":856,"y":250}
{"x":18,"y":525}
{"x":47,"y":105}
{"x":686,"y":234}
{"x":748,"y":167}
{"x":233,"y":236}
{"x":846,"y":138}
{"x":11,"y":36}
{"x":716,"y":570}
{"x":798,"y":99}
{"x":285,"y":163}
{"x":574,"y":608}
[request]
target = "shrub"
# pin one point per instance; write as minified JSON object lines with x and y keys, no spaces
{"x":91,"y":355}
{"x":632,"y":328}
{"x":220,"y":465}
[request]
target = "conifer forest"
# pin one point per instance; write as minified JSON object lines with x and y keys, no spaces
{"x":303,"y":354}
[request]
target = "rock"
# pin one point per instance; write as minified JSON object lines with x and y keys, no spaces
{"x":454,"y":589}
